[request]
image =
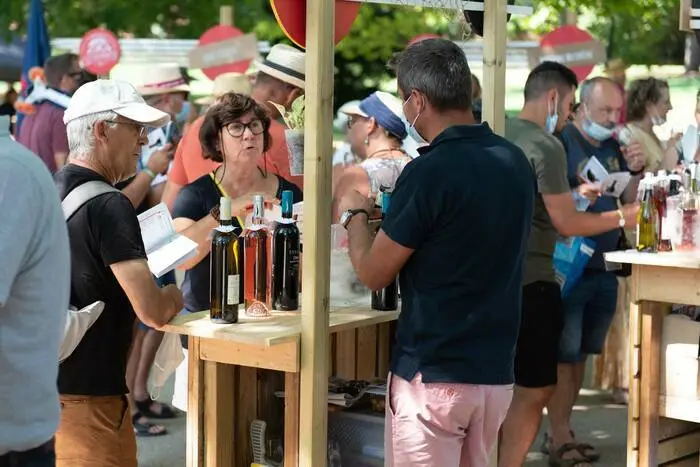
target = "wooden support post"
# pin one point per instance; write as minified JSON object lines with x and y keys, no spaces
{"x":494,"y":81}
{"x":226,"y":15}
{"x":318,"y":137}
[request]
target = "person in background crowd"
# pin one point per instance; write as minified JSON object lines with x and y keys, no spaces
{"x":44,"y":132}
{"x":8,"y":105}
{"x":280,"y":79}
{"x":616,"y":70}
{"x":590,"y":306}
{"x":107,"y":124}
{"x":549,"y":95}
{"x":648,"y":104}
{"x":235,"y":133}
{"x":165,"y":88}
{"x":189,"y":163}
{"x":33,"y":247}
{"x":376,"y":130}
{"x":452,"y":367}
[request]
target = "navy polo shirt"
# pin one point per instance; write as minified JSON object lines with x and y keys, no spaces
{"x":578,"y":152}
{"x":465,"y":208}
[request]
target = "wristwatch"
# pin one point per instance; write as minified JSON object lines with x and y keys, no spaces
{"x":622,"y":222}
{"x":349,"y":214}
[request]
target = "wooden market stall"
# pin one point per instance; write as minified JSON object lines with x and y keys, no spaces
{"x":664,"y":388}
{"x":299,"y":344}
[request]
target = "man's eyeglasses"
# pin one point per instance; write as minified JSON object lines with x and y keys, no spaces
{"x":236,"y":129}
{"x":142,"y":130}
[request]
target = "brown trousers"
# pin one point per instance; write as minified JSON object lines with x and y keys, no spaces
{"x":95,"y":432}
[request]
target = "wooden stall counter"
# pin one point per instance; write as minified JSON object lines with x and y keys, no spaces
{"x":224,"y":394}
{"x":664,"y":388}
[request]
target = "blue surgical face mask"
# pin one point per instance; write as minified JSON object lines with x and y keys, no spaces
{"x":182,"y":116}
{"x":412,"y":132}
{"x":596,"y":131}
{"x":550,"y":123}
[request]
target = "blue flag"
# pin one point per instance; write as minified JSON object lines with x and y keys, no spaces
{"x":37,"y":49}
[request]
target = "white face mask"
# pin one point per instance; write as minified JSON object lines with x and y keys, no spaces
{"x":657,"y":121}
{"x":412,"y":132}
{"x":550,"y":123}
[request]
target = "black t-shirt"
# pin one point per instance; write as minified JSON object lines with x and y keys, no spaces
{"x":461,"y":287}
{"x":195,"y":201}
{"x":104,"y":231}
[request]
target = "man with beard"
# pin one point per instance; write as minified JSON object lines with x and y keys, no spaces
{"x":44,"y":132}
{"x":590,"y":306}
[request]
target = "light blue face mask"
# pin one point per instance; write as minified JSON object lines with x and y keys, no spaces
{"x":184,"y":113}
{"x":597,"y":131}
{"x":412,"y":132}
{"x":550,"y":123}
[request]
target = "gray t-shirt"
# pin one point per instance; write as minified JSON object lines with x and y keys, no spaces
{"x":34,"y":295}
{"x":548,"y":159}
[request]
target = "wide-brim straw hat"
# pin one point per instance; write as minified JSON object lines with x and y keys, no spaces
{"x":227,"y":82}
{"x":158,"y":79}
{"x":285,"y":63}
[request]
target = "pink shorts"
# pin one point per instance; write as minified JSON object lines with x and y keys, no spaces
{"x":442,"y":424}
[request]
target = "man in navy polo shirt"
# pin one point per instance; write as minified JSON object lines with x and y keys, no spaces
{"x":456,"y":233}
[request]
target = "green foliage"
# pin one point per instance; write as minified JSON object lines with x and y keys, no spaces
{"x":294,"y":118}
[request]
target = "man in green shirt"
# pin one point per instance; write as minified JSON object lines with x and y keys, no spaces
{"x":549,"y":98}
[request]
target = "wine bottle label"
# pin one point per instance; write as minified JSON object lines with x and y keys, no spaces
{"x":233,"y":289}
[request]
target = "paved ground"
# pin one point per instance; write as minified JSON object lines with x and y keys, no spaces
{"x":596,"y":421}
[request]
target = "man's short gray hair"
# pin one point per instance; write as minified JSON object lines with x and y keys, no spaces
{"x":438,"y":69}
{"x":589,"y":85}
{"x":81,"y":139}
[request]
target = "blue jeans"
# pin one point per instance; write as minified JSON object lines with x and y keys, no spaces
{"x":43,"y":456}
{"x":588,"y":312}
{"x":162,"y":281}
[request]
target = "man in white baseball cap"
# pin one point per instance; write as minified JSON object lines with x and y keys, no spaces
{"x":107,"y":123}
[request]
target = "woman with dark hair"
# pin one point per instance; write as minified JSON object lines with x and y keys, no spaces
{"x":648,"y":104}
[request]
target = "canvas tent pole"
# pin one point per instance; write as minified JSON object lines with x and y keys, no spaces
{"x":318,"y":139}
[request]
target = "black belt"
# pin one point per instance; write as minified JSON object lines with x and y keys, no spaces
{"x":20,"y":458}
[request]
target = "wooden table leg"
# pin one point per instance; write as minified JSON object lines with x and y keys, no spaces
{"x":291,"y":419}
{"x":635,"y":348}
{"x":195,"y":405}
{"x":652,"y":314}
{"x":219,"y":407}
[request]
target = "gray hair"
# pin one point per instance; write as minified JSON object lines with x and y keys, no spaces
{"x":81,"y":139}
{"x":438,"y":69}
{"x":589,"y":85}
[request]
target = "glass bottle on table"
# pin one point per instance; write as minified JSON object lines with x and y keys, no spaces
{"x":285,"y":259}
{"x":256,"y":258}
{"x":646,"y":219}
{"x":224,"y":274}
{"x":660,"y":192}
{"x":386,"y":299}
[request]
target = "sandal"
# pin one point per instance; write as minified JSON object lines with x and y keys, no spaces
{"x":144,"y":429}
{"x":154,"y":409}
{"x":587,"y":450}
{"x":557,"y":459}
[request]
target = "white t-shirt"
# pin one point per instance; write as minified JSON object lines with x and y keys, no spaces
{"x":34,"y":294}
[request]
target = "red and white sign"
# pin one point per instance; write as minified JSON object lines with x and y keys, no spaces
{"x":291,"y":16}
{"x":99,"y":51}
{"x":223,"y":49}
{"x":572,"y":47}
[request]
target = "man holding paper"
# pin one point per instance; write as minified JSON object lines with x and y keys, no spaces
{"x":107,"y":124}
{"x":549,"y":96}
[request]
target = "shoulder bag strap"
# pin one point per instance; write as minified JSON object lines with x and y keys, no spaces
{"x":82,"y":194}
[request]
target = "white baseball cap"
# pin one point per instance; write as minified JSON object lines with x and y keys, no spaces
{"x":104,"y":95}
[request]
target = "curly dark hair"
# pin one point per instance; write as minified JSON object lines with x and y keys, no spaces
{"x":228,"y":109}
{"x":643,"y":92}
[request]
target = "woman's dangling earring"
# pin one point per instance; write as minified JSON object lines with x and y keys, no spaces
{"x":366,"y":141}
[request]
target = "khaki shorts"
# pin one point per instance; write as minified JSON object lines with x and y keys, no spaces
{"x":95,"y":431}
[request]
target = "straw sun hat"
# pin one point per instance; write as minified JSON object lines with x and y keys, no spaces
{"x":152,"y":80}
{"x":286,"y":64}
{"x":227,"y":82}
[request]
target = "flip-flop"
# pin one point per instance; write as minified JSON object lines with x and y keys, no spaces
{"x":556,"y":458}
{"x":146,"y":408}
{"x":143,"y":429}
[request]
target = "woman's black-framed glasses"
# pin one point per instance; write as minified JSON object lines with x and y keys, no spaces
{"x":236,"y":129}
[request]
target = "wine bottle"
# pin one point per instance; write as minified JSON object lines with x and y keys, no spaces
{"x":646,"y":220}
{"x":285,"y":259}
{"x":224,"y":274}
{"x":386,"y":299}
{"x":257,"y":263}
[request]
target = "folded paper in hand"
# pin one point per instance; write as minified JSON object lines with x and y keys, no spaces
{"x":611,"y":184}
{"x":166,"y":249}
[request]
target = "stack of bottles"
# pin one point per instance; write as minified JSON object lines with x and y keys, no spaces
{"x":668,"y":214}
{"x":256,"y":267}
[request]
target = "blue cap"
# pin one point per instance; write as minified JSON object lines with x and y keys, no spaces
{"x":387,"y":110}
